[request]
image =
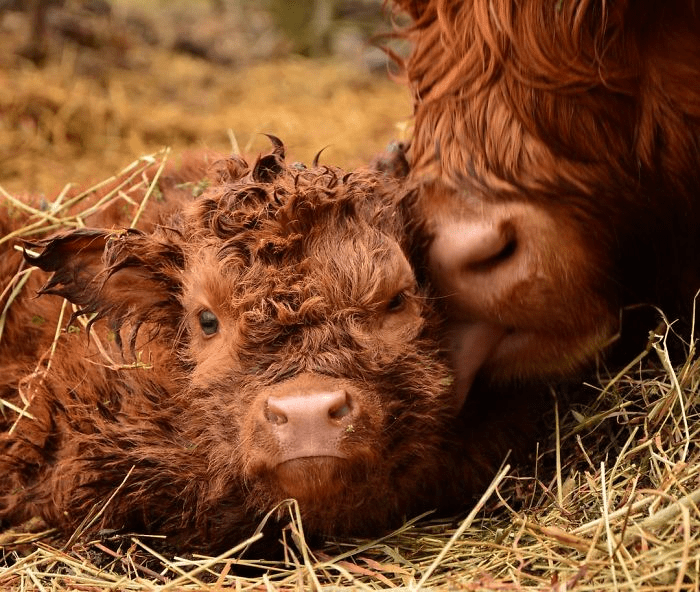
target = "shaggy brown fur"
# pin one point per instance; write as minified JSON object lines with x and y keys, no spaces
{"x":279,"y":284}
{"x":557,"y":145}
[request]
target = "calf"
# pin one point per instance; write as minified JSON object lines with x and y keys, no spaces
{"x":266,"y":340}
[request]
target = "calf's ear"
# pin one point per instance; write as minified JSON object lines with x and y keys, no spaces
{"x":126,"y":276}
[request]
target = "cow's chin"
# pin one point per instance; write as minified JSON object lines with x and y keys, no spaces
{"x":526,"y":355}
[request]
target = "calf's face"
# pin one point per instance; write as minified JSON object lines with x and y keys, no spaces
{"x":317,"y":369}
{"x":305,"y":361}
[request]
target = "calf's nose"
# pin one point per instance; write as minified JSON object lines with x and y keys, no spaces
{"x":315,"y":410}
{"x":310,"y":424}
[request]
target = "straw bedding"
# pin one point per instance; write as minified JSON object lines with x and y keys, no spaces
{"x":610,"y":499}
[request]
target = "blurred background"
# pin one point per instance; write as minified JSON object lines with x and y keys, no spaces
{"x":88,"y":86}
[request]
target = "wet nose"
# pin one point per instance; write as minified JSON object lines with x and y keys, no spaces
{"x":310,"y":424}
{"x":475,"y":246}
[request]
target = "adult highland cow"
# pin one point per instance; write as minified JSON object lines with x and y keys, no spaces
{"x":557,"y":146}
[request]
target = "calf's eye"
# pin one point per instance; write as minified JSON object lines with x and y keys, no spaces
{"x":208,"y":322}
{"x":397,"y":303}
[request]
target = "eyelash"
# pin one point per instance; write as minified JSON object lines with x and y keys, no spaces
{"x":397,"y":302}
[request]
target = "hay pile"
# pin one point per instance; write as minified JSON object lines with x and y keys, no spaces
{"x":611,"y":502}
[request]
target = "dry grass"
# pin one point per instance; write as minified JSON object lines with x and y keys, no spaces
{"x":619,"y":511}
{"x":611,"y":502}
{"x":59,"y":129}
{"x":89,"y":112}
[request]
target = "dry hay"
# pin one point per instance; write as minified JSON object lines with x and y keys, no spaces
{"x":55,"y":130}
{"x":611,"y":502}
{"x":90,"y":111}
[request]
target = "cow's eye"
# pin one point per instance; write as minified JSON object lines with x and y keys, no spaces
{"x":208,"y":322}
{"x":397,"y":303}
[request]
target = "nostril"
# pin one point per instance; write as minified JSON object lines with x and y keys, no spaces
{"x":506,"y":252}
{"x":309,"y":421}
{"x":472,"y":247}
{"x":340,"y":408}
{"x":482,"y":247}
{"x":274,"y":414}
{"x":492,"y":247}
{"x":308,"y":409}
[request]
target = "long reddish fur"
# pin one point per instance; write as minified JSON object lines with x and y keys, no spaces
{"x":299,"y":264}
{"x":592,"y":106}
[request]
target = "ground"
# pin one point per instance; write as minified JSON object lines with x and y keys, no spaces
{"x":124,"y":79}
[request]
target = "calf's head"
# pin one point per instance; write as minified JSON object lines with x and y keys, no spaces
{"x":290,"y":334}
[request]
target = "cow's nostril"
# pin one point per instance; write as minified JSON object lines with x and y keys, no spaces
{"x":467,"y":250}
{"x":506,"y":252}
{"x":340,"y":410}
{"x":492,"y":246}
{"x":274,"y":414}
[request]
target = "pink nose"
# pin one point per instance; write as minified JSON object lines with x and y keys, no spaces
{"x":474,"y":247}
{"x":310,"y":424}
